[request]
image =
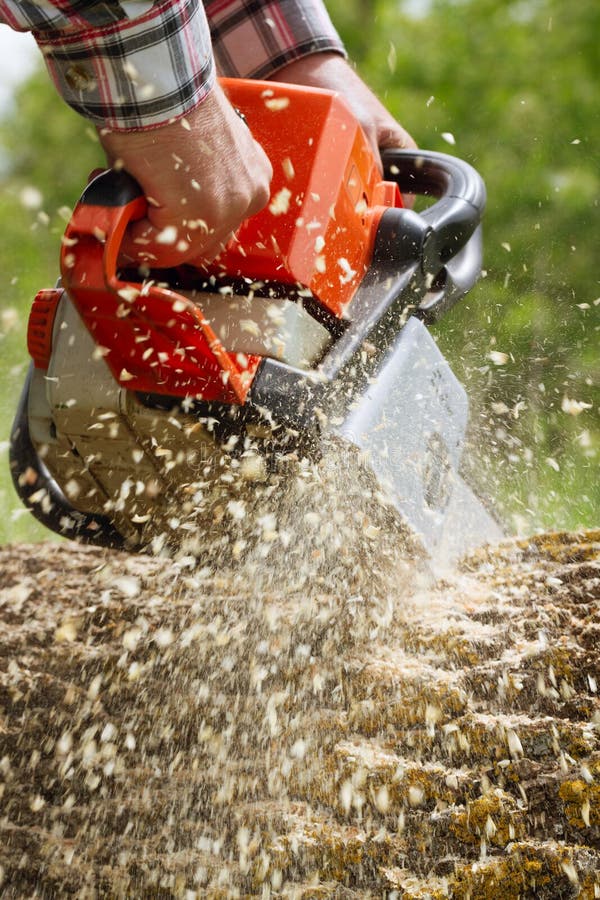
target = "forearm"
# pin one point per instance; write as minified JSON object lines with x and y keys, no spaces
{"x":257,"y":43}
{"x":141,"y":64}
{"x":122,"y":71}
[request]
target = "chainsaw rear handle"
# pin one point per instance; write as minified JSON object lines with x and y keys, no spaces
{"x":444,"y":237}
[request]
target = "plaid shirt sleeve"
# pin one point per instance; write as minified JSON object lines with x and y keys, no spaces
{"x":134,"y":65}
{"x":254,"y":39}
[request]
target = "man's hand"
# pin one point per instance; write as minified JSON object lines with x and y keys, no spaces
{"x":331,"y":71}
{"x":202,"y":175}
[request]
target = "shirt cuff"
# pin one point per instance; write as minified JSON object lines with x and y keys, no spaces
{"x":255,"y":40}
{"x":136,"y":73}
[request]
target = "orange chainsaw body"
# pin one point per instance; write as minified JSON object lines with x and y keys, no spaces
{"x":316,"y":235}
{"x":327,"y":193}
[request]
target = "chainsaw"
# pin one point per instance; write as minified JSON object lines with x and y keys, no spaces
{"x":310,"y":327}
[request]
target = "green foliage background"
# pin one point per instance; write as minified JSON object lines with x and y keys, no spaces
{"x":516,"y":85}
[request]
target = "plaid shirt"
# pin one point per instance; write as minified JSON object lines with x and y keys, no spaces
{"x":138,"y":64}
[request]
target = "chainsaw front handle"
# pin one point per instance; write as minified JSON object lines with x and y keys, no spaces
{"x":432,"y":174}
{"x":422,"y":264}
{"x":445,"y":237}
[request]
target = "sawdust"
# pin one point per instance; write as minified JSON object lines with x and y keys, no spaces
{"x":309,"y":524}
{"x":165,"y":733}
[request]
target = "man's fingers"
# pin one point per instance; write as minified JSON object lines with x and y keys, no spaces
{"x":169,"y":246}
{"x":161,"y":247}
{"x":395,"y":137}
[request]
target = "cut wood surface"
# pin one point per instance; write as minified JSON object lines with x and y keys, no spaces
{"x":164,"y":734}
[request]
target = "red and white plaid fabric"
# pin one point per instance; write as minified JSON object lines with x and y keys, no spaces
{"x":137,"y":64}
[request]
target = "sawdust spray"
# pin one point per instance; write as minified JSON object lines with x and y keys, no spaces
{"x":280,"y":577}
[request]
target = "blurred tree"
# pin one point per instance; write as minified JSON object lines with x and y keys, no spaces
{"x":514,"y":84}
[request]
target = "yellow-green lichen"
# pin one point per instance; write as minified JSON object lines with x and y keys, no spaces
{"x":494,"y":819}
{"x":581,"y":802}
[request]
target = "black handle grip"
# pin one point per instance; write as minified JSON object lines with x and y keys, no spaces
{"x":445,"y":237}
{"x":432,"y":174}
{"x":112,"y":188}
